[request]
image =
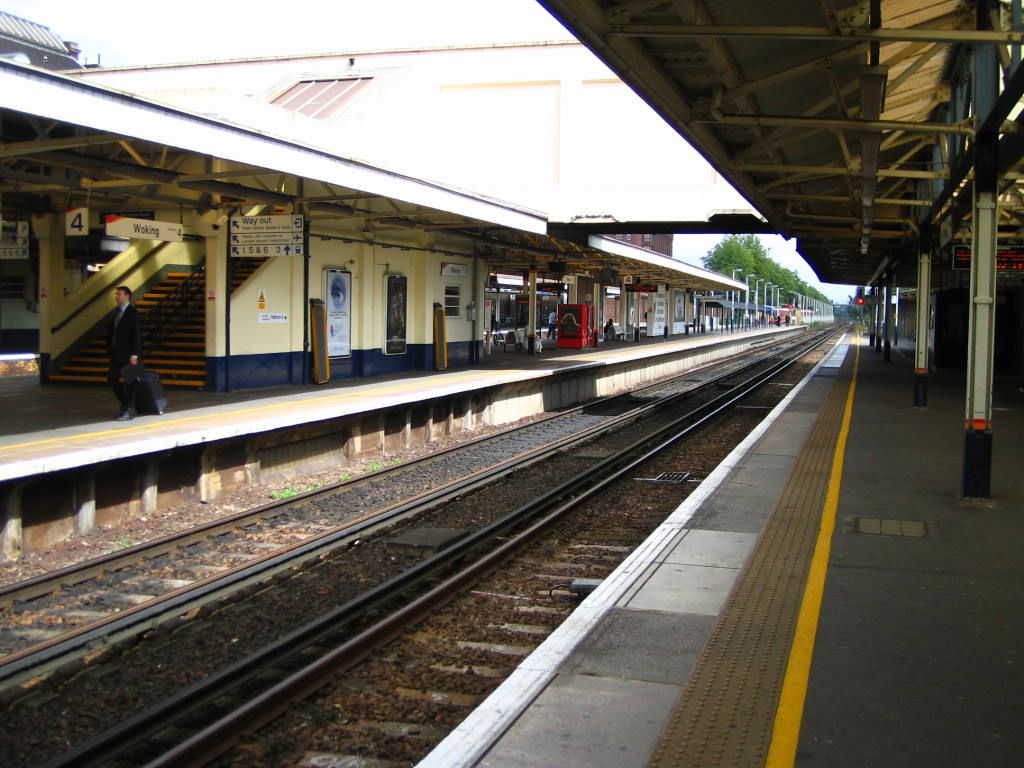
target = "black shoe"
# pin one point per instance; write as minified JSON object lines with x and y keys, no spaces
{"x":125,"y":415}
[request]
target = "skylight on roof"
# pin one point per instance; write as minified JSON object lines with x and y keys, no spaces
{"x":320,"y":99}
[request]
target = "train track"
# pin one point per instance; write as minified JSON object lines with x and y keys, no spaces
{"x":400,"y":573}
{"x":44,"y":619}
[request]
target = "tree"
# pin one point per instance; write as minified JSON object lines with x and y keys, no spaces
{"x":748,"y":253}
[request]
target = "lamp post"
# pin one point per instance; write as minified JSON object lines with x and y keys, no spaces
{"x":733,"y":296}
{"x":746,"y":299}
{"x":757,"y":288}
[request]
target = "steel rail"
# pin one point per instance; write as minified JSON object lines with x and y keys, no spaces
{"x":268,"y":704}
{"x":43,"y":657}
{"x":72,"y":574}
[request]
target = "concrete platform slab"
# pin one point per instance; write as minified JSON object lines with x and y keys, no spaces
{"x":649,"y":646}
{"x":587,"y":722}
{"x":684,"y":589}
{"x":718,"y":549}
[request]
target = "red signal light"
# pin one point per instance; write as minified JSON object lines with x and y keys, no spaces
{"x":859,"y":300}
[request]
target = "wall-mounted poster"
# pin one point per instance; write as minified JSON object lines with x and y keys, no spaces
{"x":679,"y":307}
{"x":337,"y":299}
{"x":656,"y":324}
{"x":394,"y":329}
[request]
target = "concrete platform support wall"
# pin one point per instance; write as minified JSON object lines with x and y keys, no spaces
{"x":45,"y":510}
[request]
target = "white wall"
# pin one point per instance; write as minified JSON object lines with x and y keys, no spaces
{"x":544,"y":125}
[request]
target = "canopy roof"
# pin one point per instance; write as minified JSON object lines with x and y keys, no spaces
{"x":848,"y":128}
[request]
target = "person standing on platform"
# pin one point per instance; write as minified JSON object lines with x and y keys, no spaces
{"x":124,"y":344}
{"x":552,"y":323}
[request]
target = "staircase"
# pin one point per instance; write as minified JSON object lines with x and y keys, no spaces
{"x":173,"y":318}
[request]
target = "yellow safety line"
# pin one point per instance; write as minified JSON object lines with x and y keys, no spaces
{"x":290,"y":403}
{"x":141,"y":427}
{"x":786,"y":729}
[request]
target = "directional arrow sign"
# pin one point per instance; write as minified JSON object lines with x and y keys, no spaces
{"x":262,"y":250}
{"x":266,"y":238}
{"x":268,"y":223}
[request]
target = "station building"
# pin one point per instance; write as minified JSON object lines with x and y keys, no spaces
{"x":226,"y":234}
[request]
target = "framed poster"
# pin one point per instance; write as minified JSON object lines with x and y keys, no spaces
{"x":679,"y":306}
{"x":394,"y":323}
{"x":337,"y":300}
{"x":660,"y":312}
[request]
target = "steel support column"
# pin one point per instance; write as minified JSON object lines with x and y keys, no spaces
{"x":924,"y":298}
{"x":977,"y":465}
{"x":890,"y":319}
{"x":872,"y":307}
{"x":880,"y":317}
{"x":872,"y":340}
{"x":531,"y":320}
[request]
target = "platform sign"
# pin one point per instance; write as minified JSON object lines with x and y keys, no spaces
{"x":268,"y":235}
{"x":14,"y":240}
{"x":271,"y":222}
{"x":264,"y":250}
{"x":267,"y":238}
{"x":272,"y":317}
{"x":143,"y":229}
{"x":76,"y":222}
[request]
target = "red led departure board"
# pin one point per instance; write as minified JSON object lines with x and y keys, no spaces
{"x":1009,"y":257}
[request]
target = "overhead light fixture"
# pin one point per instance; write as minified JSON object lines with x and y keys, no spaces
{"x":872,"y":102}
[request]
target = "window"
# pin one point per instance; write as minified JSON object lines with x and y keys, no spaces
{"x":452,"y":296}
{"x":320,"y":98}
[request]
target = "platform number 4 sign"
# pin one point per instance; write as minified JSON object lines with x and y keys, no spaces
{"x":76,"y":222}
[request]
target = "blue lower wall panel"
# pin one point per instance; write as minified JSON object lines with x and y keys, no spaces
{"x":282,"y":368}
{"x":253,"y":371}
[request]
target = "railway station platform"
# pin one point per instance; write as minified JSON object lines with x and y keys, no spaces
{"x":825,"y":598}
{"x":67,"y":466}
{"x":56,"y":426}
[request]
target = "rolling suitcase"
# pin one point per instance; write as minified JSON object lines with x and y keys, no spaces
{"x":149,"y":394}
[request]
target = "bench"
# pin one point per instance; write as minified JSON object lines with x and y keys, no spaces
{"x":517,"y":340}
{"x":505,"y":339}
{"x":617,"y":333}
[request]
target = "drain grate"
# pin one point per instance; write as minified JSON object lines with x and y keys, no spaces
{"x":876,"y":526}
{"x":666,"y":477}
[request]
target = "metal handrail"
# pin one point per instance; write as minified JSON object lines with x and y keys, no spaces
{"x":103,"y":292}
{"x":172,"y":311}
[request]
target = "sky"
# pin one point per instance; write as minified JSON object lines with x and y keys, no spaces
{"x":113,"y":33}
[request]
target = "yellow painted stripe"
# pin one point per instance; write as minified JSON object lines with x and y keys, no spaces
{"x":786,"y":730}
{"x":409,"y":384}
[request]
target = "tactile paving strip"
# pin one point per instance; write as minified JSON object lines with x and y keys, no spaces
{"x":724,"y":716}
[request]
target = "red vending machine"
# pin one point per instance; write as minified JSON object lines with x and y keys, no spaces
{"x":573,"y":325}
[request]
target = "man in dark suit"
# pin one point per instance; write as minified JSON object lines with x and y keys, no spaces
{"x":124,"y":344}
